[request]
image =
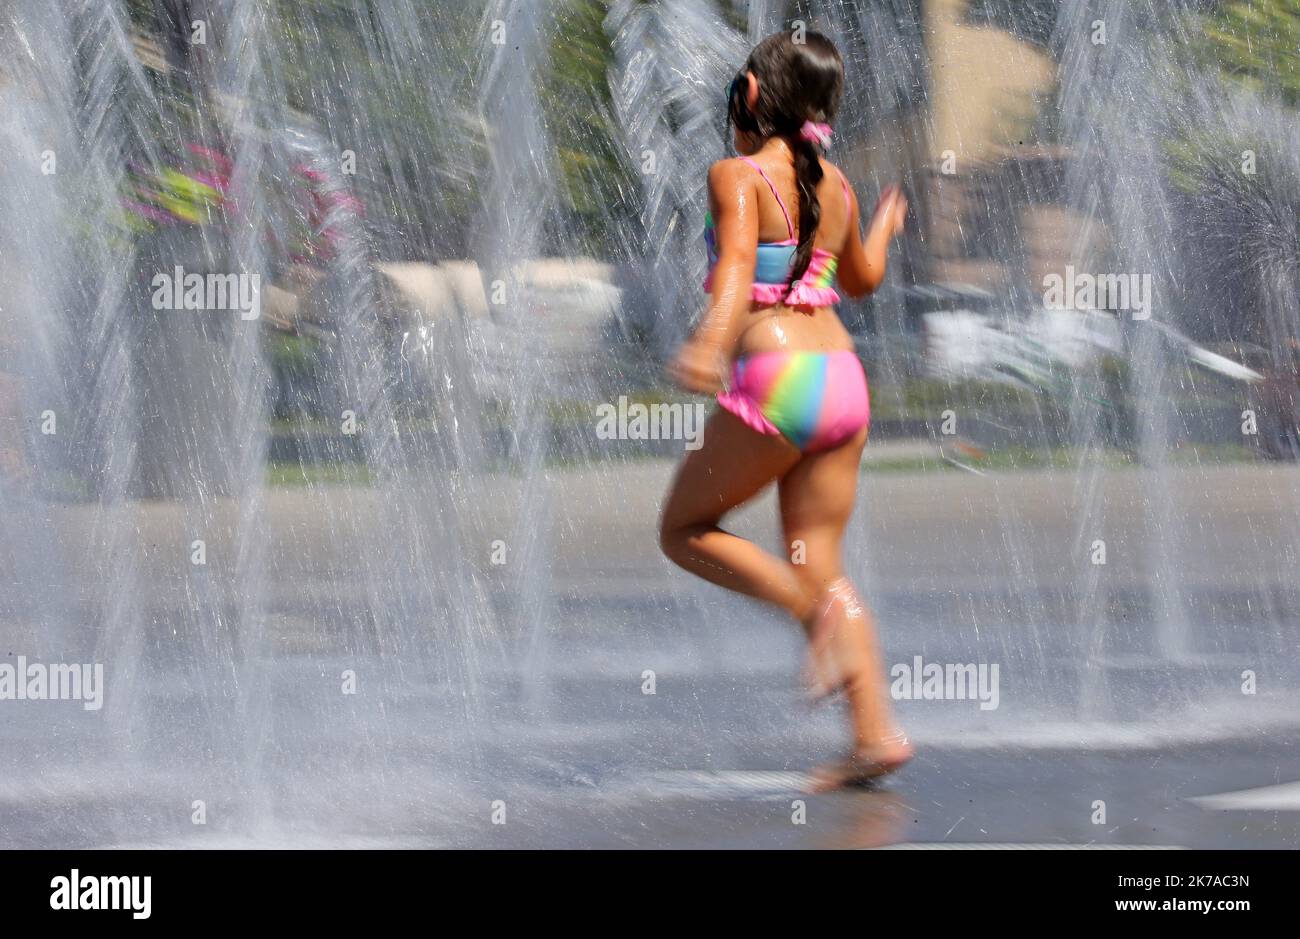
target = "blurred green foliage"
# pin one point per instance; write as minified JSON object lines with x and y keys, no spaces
{"x":1257,"y":44}
{"x":1246,"y":219}
{"x":597,"y":184}
{"x":341,"y":64}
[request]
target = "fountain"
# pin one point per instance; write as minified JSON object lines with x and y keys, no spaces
{"x":358,"y":568}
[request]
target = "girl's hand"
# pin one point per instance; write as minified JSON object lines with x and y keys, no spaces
{"x":891,"y":211}
{"x":698,"y":366}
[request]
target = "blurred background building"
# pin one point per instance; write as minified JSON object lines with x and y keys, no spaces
{"x":426,"y":205}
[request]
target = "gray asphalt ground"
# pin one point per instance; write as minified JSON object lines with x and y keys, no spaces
{"x":515,"y":693}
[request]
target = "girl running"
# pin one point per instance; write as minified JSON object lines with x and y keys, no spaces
{"x":782,"y":229}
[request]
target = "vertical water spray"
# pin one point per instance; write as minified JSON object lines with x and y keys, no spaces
{"x":672,"y":61}
{"x":91,"y":104}
{"x":517,"y":198}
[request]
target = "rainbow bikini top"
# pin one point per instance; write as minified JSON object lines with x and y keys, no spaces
{"x":775,"y":258}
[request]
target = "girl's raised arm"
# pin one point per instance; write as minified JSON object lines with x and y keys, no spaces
{"x":862,"y":261}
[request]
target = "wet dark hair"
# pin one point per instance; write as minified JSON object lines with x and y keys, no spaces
{"x":797,"y":82}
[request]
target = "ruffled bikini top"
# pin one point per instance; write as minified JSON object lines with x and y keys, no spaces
{"x":775,"y":258}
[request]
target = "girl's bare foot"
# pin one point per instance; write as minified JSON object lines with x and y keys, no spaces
{"x":865,"y":765}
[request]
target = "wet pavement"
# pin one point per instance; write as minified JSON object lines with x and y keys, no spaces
{"x":598,"y":698}
{"x":702,"y":765}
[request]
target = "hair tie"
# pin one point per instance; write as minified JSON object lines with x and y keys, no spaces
{"x":819,"y":134}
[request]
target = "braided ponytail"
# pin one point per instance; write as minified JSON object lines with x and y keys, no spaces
{"x":808,"y":176}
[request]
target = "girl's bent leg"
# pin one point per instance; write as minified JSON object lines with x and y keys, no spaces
{"x":733,"y":465}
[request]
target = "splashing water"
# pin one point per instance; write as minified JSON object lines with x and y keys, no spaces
{"x":360,"y":563}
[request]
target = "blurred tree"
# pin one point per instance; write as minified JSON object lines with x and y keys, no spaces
{"x":387,"y":77}
{"x":388,"y":82}
{"x":597,"y":185}
{"x":1241,"y":250}
{"x":1256,"y":43}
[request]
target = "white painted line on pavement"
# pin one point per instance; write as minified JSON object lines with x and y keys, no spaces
{"x":1281,"y":798}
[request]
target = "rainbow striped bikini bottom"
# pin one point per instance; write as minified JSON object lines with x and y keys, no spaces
{"x":816,"y":400}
